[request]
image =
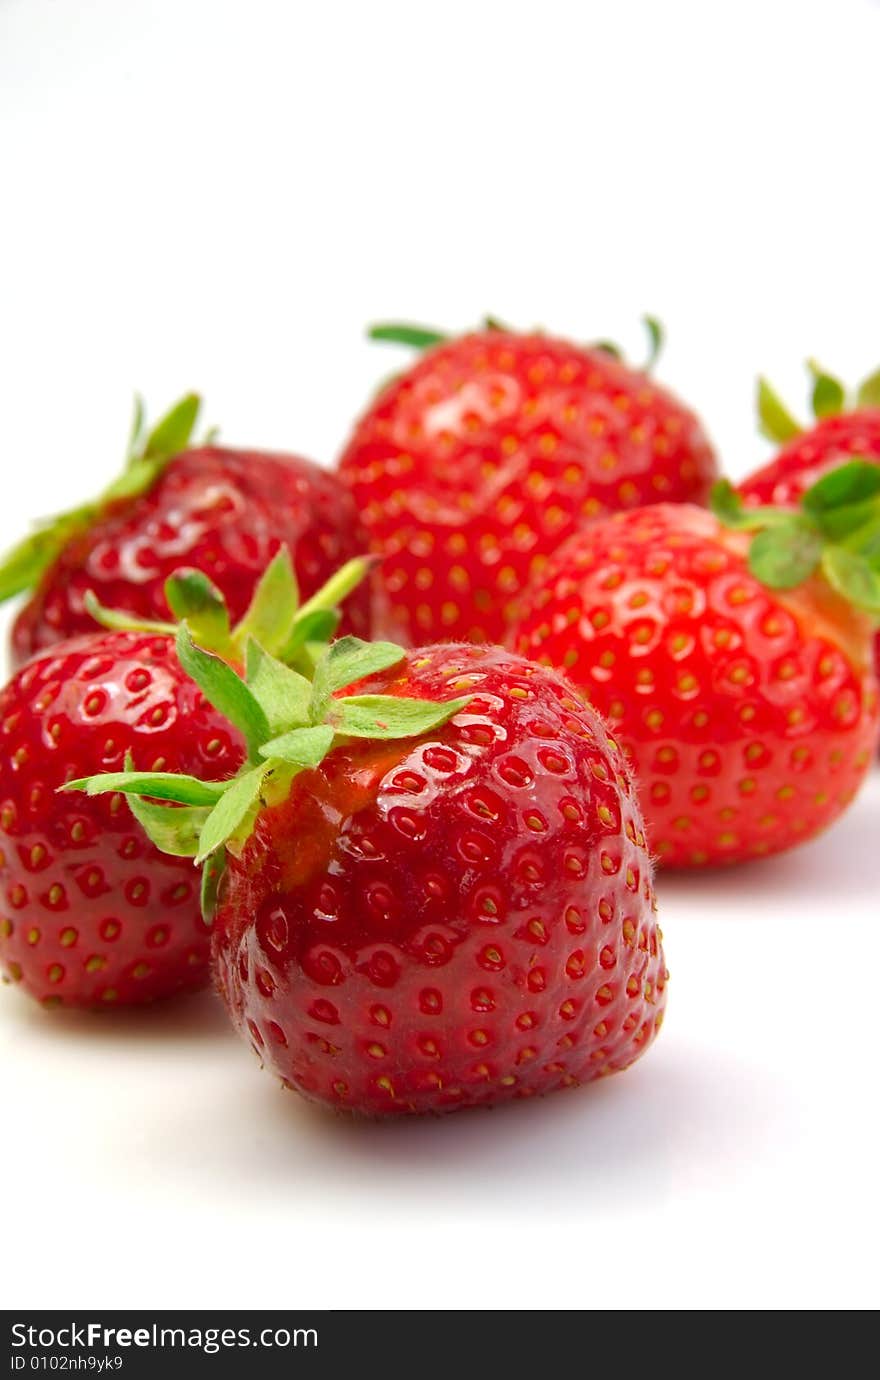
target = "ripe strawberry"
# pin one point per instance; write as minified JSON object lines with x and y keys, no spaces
{"x":428,"y":903}
{"x":226,"y":512}
{"x":473,"y":466}
{"x":90,"y":910}
{"x":805,"y":455}
{"x":750,"y":712}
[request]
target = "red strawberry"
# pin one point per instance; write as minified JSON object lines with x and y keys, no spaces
{"x":92,"y":912}
{"x":460,"y":918}
{"x":226,"y":512}
{"x":472,"y":467}
{"x":750,"y":713}
{"x":806,"y":455}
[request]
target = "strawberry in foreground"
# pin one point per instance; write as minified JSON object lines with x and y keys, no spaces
{"x":732,"y":656}
{"x":845,"y":426}
{"x":91,"y":912}
{"x":429,"y":883}
{"x":226,"y":512}
{"x":473,"y":466}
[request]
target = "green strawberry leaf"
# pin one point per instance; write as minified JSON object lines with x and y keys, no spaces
{"x":852,"y":482}
{"x":390,"y":716}
{"x":119,"y":620}
{"x":136,"y":433}
{"x":492,"y":323}
{"x":174,"y":829}
{"x":656,"y":336}
{"x":173,"y":432}
{"x":318,"y":626}
{"x":271,"y":613}
{"x":852,"y":575}
{"x":775,"y":420}
{"x":303,"y":747}
{"x":231,"y":810}
{"x":159,"y":785}
{"x":829,"y":395}
{"x":398,"y":333}
{"x":786,"y":554}
{"x":22,"y":566}
{"x":350,"y":659}
{"x":340,"y":585}
{"x":319,"y":699}
{"x":196,"y":600}
{"x":282,"y":693}
{"x":212,"y":874}
{"x":225,"y":690}
{"x":607,"y":347}
{"x":868,"y":394}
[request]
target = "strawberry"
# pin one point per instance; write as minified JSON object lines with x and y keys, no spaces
{"x":92,"y":911}
{"x":735,"y":669}
{"x":844,"y":428}
{"x":223,"y":511}
{"x":424,"y":902}
{"x":473,"y":466}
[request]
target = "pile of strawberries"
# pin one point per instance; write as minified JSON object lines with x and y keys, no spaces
{"x":389,"y":753}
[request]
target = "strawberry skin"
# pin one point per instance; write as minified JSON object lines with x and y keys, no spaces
{"x":473,"y":466}
{"x":91,"y":913}
{"x":750,"y":715}
{"x":459,"y":919}
{"x":225,"y":512}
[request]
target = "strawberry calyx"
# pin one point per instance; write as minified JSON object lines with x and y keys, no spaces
{"x":834,"y":532}
{"x":828,"y":398}
{"x":426,"y":337}
{"x":295,"y":633}
{"x":290,"y":718}
{"x":147,"y":454}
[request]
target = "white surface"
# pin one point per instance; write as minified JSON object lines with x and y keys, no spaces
{"x":220,"y":195}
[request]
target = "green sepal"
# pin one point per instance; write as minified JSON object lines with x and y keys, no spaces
{"x":117,"y":620}
{"x":174,"y":829}
{"x":829,"y":395}
{"x":317,"y":627}
{"x":399,"y":333}
{"x":301,"y":747}
{"x":159,"y":785}
{"x":492,"y":323}
{"x":786,"y":554}
{"x":22,"y":566}
{"x":853,"y":576}
{"x":775,"y":420}
{"x":849,"y":483}
{"x":134,"y":449}
{"x":607,"y":347}
{"x":868,"y":391}
{"x":391,"y":716}
{"x":196,"y":600}
{"x":350,"y":659}
{"x":231,"y":810}
{"x":213,"y":869}
{"x":282,"y":693}
{"x":656,"y":338}
{"x":173,"y":432}
{"x":225,"y":690}
{"x":272,"y":611}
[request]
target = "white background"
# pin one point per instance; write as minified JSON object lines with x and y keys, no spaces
{"x":219,"y":195}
